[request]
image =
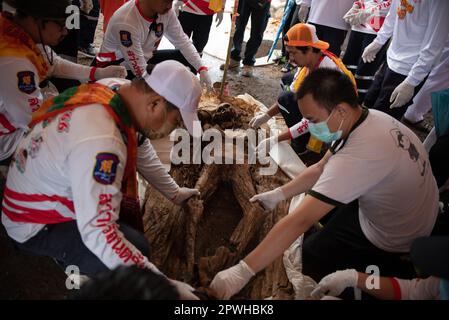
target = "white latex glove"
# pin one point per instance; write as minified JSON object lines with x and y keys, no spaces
{"x":370,"y":52}
{"x":259,"y":120}
{"x":269,"y":199}
{"x":264,"y":147}
{"x":333,"y":284}
{"x":402,"y":94}
{"x":219,"y":18}
{"x":230,"y":281}
{"x":360,"y":18}
{"x":205,"y":79}
{"x":302,"y":13}
{"x":351,"y":13}
{"x":185,"y":291}
{"x":86,"y":6}
{"x":177,"y":7}
{"x":110,"y":72}
{"x":184,"y":194}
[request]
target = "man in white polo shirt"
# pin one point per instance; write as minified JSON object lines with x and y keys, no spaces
{"x":377,"y":172}
{"x":73,"y":176}
{"x":135,"y":32}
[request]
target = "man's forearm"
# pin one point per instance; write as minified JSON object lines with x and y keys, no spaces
{"x":385,"y":291}
{"x":274,"y":110}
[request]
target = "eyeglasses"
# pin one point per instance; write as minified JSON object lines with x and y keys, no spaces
{"x":61,"y":23}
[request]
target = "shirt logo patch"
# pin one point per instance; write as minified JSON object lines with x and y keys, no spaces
{"x":25,"y":82}
{"x":125,"y":38}
{"x":158,"y":29}
{"x":106,"y":168}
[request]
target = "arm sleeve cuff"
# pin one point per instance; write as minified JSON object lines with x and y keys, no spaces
{"x":324,"y":198}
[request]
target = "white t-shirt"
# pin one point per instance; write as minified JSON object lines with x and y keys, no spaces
{"x":71,"y":168}
{"x":328,"y":12}
{"x":384,"y":165}
{"x":418,"y":37}
{"x":134,"y":37}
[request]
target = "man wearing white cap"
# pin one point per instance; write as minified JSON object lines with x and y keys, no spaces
{"x":74,"y":174}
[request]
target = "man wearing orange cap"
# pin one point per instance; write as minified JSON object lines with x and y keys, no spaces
{"x":309,"y":53}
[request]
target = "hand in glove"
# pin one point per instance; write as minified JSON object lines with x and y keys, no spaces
{"x":259,"y":120}
{"x":333,"y":284}
{"x":86,"y":6}
{"x":265,"y":146}
{"x":302,"y":13}
{"x":402,"y":94}
{"x":185,"y":291}
{"x":351,"y":13}
{"x":269,"y":199}
{"x":360,"y":17}
{"x":205,"y":79}
{"x":184,"y":194}
{"x":370,"y":52}
{"x":230,"y":281}
{"x":110,"y":72}
{"x":219,"y":18}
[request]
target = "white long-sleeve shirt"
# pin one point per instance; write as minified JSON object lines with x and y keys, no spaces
{"x":419,"y":289}
{"x":328,"y":12}
{"x":133,"y":37}
{"x":71,"y":168}
{"x":418,"y":37}
{"x":20,"y":94}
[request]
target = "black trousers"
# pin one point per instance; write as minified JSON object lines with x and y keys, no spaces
{"x":341,"y":244}
{"x":259,"y":20}
{"x":292,"y":19}
{"x":63,"y":242}
{"x":335,"y":37}
{"x":363,"y":72}
{"x":439,"y":160}
{"x":88,"y":24}
{"x":379,"y":94}
{"x":196,"y":27}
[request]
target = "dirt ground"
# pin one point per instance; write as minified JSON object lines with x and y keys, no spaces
{"x":23,"y":276}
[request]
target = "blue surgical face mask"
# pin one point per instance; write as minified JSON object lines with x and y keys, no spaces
{"x":321,"y":130}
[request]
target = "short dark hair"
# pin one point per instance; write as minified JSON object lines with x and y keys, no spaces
{"x":303,"y":49}
{"x":328,"y":88}
{"x":127,"y":283}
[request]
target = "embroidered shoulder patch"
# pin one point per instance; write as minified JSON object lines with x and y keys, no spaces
{"x":125,"y":38}
{"x":105,"y":168}
{"x":25,"y":82}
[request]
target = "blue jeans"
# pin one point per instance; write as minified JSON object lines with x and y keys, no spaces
{"x":259,"y":20}
{"x":63,"y":243}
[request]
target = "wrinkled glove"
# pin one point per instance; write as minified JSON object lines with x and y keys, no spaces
{"x":177,"y":7}
{"x":351,"y":13}
{"x":259,"y":120}
{"x":86,"y":6}
{"x":370,"y":52}
{"x":360,"y":18}
{"x":333,"y":284}
{"x":402,"y":94}
{"x":302,"y":13}
{"x":269,"y":199}
{"x":230,"y":281}
{"x":185,"y":291}
{"x":110,"y":72}
{"x":264,"y":147}
{"x":219,"y":18}
{"x":205,"y":79}
{"x":184,"y":194}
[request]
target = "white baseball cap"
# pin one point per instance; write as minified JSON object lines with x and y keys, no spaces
{"x":174,"y":81}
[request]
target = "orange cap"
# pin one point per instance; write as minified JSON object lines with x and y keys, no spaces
{"x":304,"y":35}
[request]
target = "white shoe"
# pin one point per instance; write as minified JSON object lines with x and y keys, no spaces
{"x":247,"y":71}
{"x":232,"y":64}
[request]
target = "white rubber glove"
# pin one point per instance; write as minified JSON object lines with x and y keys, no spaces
{"x":269,"y":199}
{"x":86,"y":6}
{"x":351,"y":13}
{"x":264,"y":147}
{"x":259,"y":120}
{"x":219,"y":18}
{"x":205,"y":79}
{"x":302,"y":13}
{"x":110,"y":72}
{"x":177,"y":7}
{"x":230,"y":281}
{"x":185,"y":291}
{"x":184,"y":194}
{"x":402,"y":94}
{"x":360,"y":18}
{"x":370,"y":52}
{"x":333,"y":284}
